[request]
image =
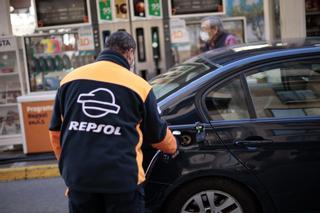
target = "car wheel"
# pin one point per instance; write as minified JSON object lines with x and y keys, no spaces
{"x":211,"y":196}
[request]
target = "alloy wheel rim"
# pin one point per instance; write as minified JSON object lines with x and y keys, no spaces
{"x":211,"y":201}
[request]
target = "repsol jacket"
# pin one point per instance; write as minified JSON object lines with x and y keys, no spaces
{"x":102,"y":115}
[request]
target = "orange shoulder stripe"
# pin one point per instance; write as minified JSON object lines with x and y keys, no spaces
{"x":109,"y":72}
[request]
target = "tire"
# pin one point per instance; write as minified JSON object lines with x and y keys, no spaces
{"x":227,"y":197}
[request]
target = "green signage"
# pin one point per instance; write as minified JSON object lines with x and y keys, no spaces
{"x":154,"y":8}
{"x":105,"y":10}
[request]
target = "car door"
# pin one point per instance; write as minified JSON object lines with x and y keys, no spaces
{"x":278,"y":138}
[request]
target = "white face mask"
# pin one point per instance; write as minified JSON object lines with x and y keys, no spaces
{"x":132,"y":66}
{"x":204,"y":36}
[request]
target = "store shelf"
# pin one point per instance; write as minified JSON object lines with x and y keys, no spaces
{"x":10,"y":136}
{"x":313,"y":30}
{"x":9,"y":105}
{"x":10,"y":139}
{"x":9,"y":74}
{"x":312,"y":13}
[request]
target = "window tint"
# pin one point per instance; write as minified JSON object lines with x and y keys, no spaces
{"x":289,"y":89}
{"x":179,"y":76}
{"x":227,"y":102}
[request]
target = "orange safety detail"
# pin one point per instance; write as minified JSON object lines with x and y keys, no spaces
{"x":168,"y":144}
{"x":123,"y":78}
{"x":139,"y":157}
{"x":55,"y":143}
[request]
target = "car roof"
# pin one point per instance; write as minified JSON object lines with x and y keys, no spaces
{"x":227,"y":55}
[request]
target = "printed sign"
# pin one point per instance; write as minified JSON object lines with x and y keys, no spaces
{"x":121,"y":9}
{"x":61,"y":12}
{"x":196,"y":7}
{"x":36,"y":120}
{"x":7,"y":44}
{"x":86,"y":41}
{"x":178,"y":31}
{"x":154,"y":8}
{"x":139,"y":9}
{"x":105,"y":10}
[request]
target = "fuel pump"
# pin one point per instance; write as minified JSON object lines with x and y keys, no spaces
{"x":156,"y":48}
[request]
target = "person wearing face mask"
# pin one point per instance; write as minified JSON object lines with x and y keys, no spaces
{"x":213,"y":34}
{"x":102,"y":115}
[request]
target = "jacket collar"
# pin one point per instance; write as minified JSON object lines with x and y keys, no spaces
{"x":110,"y":55}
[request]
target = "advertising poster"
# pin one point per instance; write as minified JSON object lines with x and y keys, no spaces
{"x":105,"y":10}
{"x":154,"y":8}
{"x":36,"y":120}
{"x":121,"y":9}
{"x":178,"y":31}
{"x":86,"y":41}
{"x":139,"y":9}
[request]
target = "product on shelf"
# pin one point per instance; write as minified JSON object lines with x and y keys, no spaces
{"x":3,"y":98}
{"x":7,"y":62}
{"x":11,"y":96}
{"x":9,"y":122}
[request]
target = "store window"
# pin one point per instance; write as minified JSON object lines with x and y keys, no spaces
{"x":289,"y":89}
{"x":312,"y":17}
{"x":227,"y":102}
{"x":51,"y":57}
{"x":193,"y":46}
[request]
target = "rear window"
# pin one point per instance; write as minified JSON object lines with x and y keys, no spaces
{"x":179,"y":76}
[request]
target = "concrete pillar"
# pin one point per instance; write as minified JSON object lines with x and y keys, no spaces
{"x":5,"y":23}
{"x":292,"y":19}
{"x":269,"y":20}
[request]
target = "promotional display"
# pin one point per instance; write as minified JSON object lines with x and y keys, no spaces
{"x":105,"y":10}
{"x":139,"y":9}
{"x":118,"y":10}
{"x":155,"y":8}
{"x":35,"y":114}
{"x":179,"y":33}
{"x":121,"y":9}
{"x":86,"y":41}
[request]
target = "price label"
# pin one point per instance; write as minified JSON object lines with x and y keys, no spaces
{"x":154,"y":8}
{"x":121,"y":7}
{"x":105,"y":10}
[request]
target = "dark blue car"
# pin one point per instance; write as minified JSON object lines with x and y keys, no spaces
{"x":248,"y":123}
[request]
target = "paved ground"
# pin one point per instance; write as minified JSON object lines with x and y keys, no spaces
{"x":33,"y":196}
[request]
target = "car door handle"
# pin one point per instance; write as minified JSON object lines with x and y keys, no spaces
{"x":252,"y":142}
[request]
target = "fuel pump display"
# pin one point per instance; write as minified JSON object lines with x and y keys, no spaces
{"x":156,"y":48}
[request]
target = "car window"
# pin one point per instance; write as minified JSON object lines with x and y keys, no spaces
{"x":179,"y":76}
{"x":288,"y":89}
{"x":227,"y":102}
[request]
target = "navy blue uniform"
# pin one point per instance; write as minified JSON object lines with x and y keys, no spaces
{"x":102,"y":115}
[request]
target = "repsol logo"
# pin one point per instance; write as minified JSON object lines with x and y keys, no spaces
{"x":93,"y":127}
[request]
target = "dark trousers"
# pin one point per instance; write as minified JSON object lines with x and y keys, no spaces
{"x":84,"y":202}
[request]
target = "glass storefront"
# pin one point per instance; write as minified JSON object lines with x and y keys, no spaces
{"x":312,"y":18}
{"x":51,"y":57}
